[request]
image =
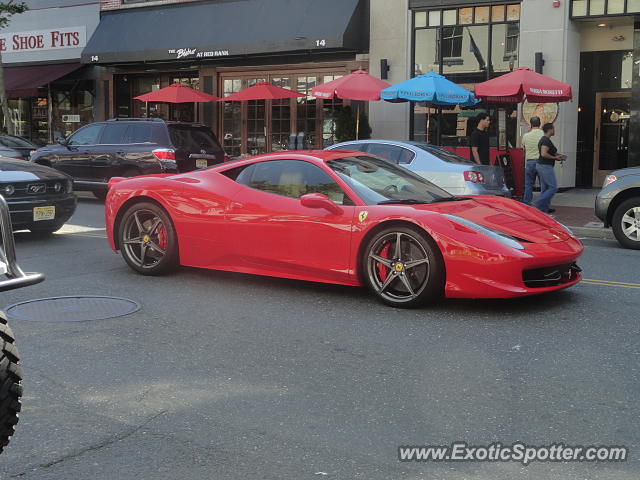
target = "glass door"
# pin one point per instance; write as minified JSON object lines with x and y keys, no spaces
{"x":256,"y":122}
{"x":611,"y":134}
{"x":280,"y":121}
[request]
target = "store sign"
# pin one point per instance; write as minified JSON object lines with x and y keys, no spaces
{"x":70,"y":118}
{"x":195,"y":53}
{"x":52,"y":39}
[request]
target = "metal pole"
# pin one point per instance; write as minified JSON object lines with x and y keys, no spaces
{"x":50,"y":113}
{"x":357,"y":120}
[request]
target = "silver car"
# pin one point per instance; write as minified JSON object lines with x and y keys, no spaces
{"x":447,"y":170}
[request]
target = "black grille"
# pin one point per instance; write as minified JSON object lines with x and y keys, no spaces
{"x":35,"y":189}
{"x":550,"y":276}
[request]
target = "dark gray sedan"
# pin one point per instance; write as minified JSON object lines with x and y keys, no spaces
{"x":618,"y":206}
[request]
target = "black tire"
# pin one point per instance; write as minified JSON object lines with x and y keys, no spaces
{"x":45,"y":230}
{"x":10,"y":383}
{"x":100,"y":194}
{"x":148,"y":240}
{"x":409,"y":277}
{"x":626,"y":223}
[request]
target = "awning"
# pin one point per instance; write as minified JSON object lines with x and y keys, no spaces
{"x":206,"y":31}
{"x":25,"y":81}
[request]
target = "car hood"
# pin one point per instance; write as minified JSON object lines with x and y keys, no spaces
{"x":21,"y":170}
{"x":505,"y":216}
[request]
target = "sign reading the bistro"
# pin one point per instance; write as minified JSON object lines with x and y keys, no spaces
{"x":195,"y":53}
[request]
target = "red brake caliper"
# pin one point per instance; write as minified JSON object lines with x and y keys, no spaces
{"x":383,"y":270}
{"x":162,"y":237}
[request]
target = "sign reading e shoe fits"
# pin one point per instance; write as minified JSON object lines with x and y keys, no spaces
{"x":53,"y":39}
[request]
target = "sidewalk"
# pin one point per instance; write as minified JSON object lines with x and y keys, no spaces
{"x":575,"y":209}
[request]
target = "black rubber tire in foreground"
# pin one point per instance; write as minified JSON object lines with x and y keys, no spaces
{"x":623,"y":217}
{"x":10,"y":383}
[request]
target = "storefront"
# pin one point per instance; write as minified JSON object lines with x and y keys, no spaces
{"x":50,"y":92}
{"x":294,"y":45}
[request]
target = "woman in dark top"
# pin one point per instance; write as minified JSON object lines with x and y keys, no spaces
{"x":546,"y":161}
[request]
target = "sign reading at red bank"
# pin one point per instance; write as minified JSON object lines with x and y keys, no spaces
{"x":52,"y":39}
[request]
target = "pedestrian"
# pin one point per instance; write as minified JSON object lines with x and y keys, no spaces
{"x":530,"y":143}
{"x":547,"y":159}
{"x":479,"y":140}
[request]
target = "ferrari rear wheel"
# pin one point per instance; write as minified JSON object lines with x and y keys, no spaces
{"x":403,"y":268}
{"x":10,"y":383}
{"x":148,"y":241}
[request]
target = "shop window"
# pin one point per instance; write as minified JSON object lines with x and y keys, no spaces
{"x":449,"y":17}
{"x":232,"y":119}
{"x":330,"y":110}
{"x":280,"y":117}
{"x":481,"y":15}
{"x":579,"y":8}
{"x":633,"y":6}
{"x":596,"y":7}
{"x":497,"y":13}
{"x":504,"y":46}
{"x":615,"y":6}
{"x":513,"y":12}
{"x":473,"y":50}
{"x":306,"y":121}
{"x":420,"y":19}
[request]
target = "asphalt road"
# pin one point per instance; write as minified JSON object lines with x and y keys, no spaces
{"x":229,"y":376}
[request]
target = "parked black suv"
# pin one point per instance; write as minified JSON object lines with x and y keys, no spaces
{"x":126,"y":147}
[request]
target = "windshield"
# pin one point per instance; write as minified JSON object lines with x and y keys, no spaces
{"x":375,"y":180}
{"x":442,"y":154}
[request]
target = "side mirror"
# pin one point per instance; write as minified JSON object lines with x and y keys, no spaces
{"x":320,"y":200}
{"x":62,"y":141}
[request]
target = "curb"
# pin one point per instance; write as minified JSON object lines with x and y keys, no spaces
{"x":591,"y":232}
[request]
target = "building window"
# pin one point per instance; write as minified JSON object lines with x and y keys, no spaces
{"x":452,"y":42}
{"x":589,"y":8}
{"x":468,"y":45}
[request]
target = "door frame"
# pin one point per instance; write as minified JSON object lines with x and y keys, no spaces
{"x":600,"y":175}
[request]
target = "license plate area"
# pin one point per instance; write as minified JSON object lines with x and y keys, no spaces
{"x":44,"y":213}
{"x":201,"y":163}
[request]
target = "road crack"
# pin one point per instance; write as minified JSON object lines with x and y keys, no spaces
{"x":109,"y":441}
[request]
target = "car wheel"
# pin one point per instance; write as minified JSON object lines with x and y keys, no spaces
{"x":403,"y":267}
{"x":626,"y":223}
{"x":10,"y":383}
{"x":45,"y":230}
{"x":148,"y":240}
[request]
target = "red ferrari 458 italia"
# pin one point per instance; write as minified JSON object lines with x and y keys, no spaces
{"x":340,"y":217}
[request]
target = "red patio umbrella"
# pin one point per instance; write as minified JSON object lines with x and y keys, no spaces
{"x":177,"y":93}
{"x":523,"y":83}
{"x":262,"y":91}
{"x":358,"y":85}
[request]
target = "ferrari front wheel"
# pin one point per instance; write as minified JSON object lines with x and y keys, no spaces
{"x":403,"y":267}
{"x":148,"y":240}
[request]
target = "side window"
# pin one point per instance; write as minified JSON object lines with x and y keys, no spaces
{"x":291,"y":178}
{"x":406,"y":156}
{"x":114,"y":133}
{"x":88,"y":135}
{"x":140,"y":133}
{"x":359,"y":147}
{"x":390,"y":153}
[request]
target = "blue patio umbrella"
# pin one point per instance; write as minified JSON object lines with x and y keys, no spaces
{"x":430,"y":88}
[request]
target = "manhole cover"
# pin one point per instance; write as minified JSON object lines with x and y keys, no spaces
{"x":72,"y":308}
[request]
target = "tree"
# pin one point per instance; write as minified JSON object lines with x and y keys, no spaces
{"x":7,"y":10}
{"x":346,"y":125}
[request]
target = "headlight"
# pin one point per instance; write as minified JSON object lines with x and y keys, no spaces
{"x":57,"y":187}
{"x":69,"y":186}
{"x":610,"y":179}
{"x":499,"y":237}
{"x":8,"y":190}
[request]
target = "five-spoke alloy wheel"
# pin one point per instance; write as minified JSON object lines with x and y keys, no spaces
{"x":403,"y":267}
{"x":626,"y":223}
{"x":147,"y":239}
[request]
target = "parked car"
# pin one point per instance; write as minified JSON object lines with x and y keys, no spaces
{"x":618,"y":206}
{"x":13,"y":146}
{"x":340,"y":217}
{"x":40,"y":198}
{"x":10,"y":369}
{"x":128,"y":147}
{"x":449,"y":171}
